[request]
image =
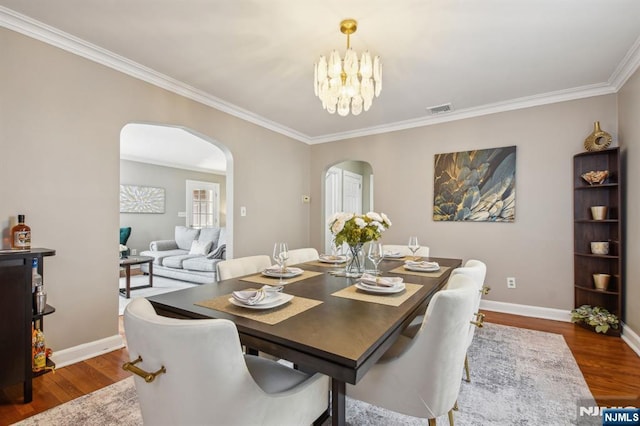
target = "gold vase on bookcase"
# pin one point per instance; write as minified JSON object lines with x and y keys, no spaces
{"x":598,"y":139}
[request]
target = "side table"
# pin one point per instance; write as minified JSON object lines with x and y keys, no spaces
{"x":126,"y":263}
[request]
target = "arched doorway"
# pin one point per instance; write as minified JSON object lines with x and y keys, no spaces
{"x":348,"y":187}
{"x":175,"y":158}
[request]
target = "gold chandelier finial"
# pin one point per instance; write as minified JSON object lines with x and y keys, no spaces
{"x":348,"y":84}
{"x":348,"y":27}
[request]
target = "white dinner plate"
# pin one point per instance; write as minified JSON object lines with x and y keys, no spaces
{"x":289,"y":273}
{"x":269,"y":303}
{"x":419,"y":269}
{"x":379,"y":289}
{"x":393,"y":255}
{"x":332,"y":259}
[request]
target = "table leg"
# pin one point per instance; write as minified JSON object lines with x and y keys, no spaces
{"x":127,"y":271}
{"x":151,"y":274}
{"x":338,"y":407}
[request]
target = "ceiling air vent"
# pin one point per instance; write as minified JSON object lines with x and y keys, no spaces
{"x":439,"y":109}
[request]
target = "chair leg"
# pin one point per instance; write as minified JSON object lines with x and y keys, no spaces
{"x":455,"y":406}
{"x":432,"y":422}
{"x":466,"y":368}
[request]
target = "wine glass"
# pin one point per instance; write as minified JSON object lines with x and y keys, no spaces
{"x":280,"y":256}
{"x":336,"y":250}
{"x":413,"y":246}
{"x":375,"y":254}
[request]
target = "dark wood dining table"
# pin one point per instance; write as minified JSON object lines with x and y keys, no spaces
{"x":340,"y":337}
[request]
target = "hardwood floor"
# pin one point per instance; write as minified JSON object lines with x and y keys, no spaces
{"x":610,"y":367}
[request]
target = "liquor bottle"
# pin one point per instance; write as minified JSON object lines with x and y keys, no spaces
{"x":21,"y":235}
{"x":36,"y":278}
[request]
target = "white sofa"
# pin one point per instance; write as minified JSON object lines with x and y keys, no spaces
{"x":191,"y":256}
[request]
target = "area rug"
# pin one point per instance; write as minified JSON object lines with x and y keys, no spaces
{"x":160,"y":285}
{"x":518,"y":377}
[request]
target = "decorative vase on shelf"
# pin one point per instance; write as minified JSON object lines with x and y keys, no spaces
{"x":355,"y":262}
{"x":598,"y":140}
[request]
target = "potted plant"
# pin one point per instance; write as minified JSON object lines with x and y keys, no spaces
{"x":596,"y":317}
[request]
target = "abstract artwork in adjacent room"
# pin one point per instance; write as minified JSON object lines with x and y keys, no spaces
{"x":475,"y":186}
{"x":141,"y":199}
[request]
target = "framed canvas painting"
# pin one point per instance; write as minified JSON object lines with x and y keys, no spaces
{"x":141,"y":199}
{"x":475,"y":186}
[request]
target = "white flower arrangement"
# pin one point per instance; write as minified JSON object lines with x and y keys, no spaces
{"x":358,"y":229}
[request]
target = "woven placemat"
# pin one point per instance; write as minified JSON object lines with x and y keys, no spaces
{"x":261,"y":279}
{"x":394,"y":299}
{"x":268,"y":316}
{"x":436,"y":274}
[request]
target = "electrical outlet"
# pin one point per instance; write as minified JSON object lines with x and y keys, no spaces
{"x":134,"y":252}
{"x":511,"y":282}
{"x":243,"y":211}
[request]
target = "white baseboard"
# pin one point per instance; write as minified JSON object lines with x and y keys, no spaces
{"x":526,"y":310}
{"x":631,"y":338}
{"x":79,"y":353}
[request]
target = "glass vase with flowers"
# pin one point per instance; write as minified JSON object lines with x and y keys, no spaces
{"x":355,"y":230}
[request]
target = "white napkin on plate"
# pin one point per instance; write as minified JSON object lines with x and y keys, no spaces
{"x":275,"y":269}
{"x":251,"y":297}
{"x":422,"y":264}
{"x":375,"y":281}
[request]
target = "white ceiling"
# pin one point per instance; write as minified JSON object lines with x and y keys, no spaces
{"x":171,"y":147}
{"x":254,"y":58}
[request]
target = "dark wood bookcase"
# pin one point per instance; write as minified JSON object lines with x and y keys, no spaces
{"x":586,"y":229}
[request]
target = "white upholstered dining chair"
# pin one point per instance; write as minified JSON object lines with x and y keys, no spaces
{"x":302,"y":255}
{"x":207,"y":379}
{"x":421,"y":376}
{"x":423,"y":251}
{"x":242,"y":266}
{"x":476,"y":270}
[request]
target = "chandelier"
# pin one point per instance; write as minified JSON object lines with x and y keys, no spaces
{"x":349,"y":83}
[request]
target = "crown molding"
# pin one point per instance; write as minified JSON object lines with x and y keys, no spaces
{"x":625,"y":69}
{"x":511,"y":105}
{"x":50,"y":35}
{"x":172,"y":165}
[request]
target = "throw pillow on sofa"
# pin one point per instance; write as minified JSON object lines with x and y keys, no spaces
{"x":200,"y":247}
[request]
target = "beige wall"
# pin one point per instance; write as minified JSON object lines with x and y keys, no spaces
{"x":61,"y":117}
{"x":629,"y":127}
{"x":537,"y":249}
